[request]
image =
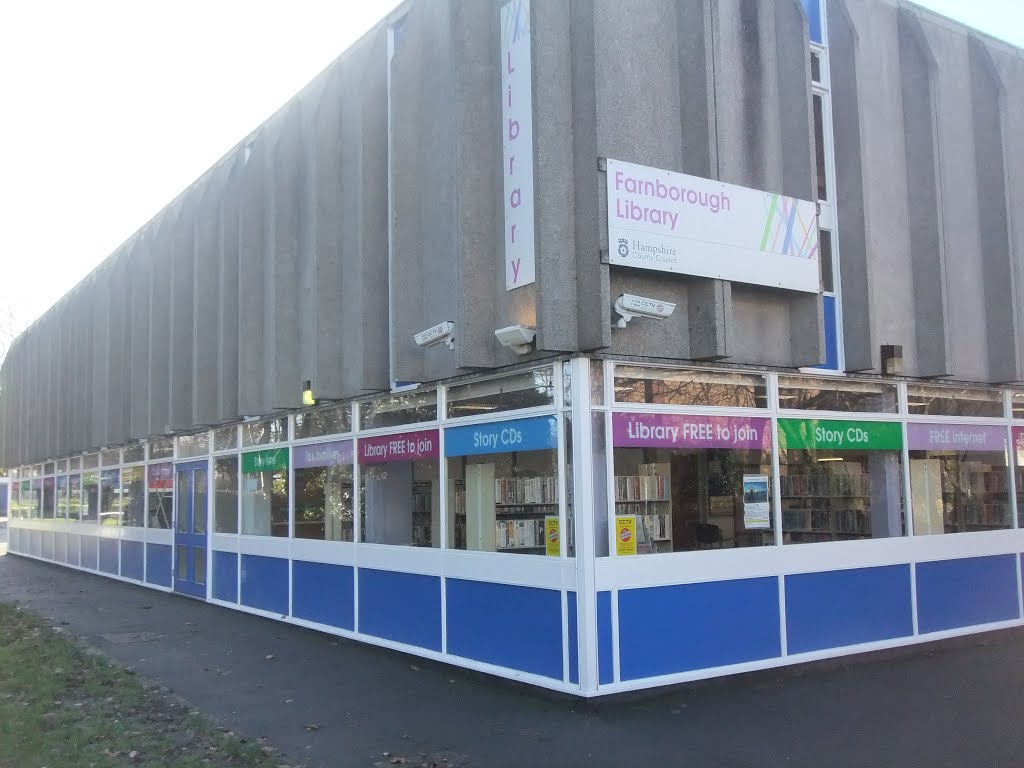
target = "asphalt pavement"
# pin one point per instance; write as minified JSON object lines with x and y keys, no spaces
{"x":325,"y":701}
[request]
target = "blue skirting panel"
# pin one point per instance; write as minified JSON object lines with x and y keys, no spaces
{"x":838,"y":608}
{"x":74,"y":548}
{"x":133,"y":565}
{"x":265,"y":583}
{"x":158,"y":564}
{"x":605,"y":662}
{"x":89,"y":550}
{"x":60,"y":547}
{"x":403,"y":607}
{"x":505,"y":625}
{"x":109,"y":555}
{"x":324,"y":593}
{"x":966,"y":592}
{"x":684,"y":627}
{"x":225,"y":576}
{"x":574,"y":639}
{"x":36,"y":543}
{"x":48,"y":545}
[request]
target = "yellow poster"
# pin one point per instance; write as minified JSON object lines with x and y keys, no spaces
{"x":625,"y":535}
{"x":551,"y":536}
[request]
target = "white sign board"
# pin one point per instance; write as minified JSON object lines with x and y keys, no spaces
{"x":517,"y":143}
{"x":677,"y":223}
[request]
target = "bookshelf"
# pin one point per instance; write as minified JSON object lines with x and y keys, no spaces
{"x":976,"y":495}
{"x":648,"y":496}
{"x":501,"y":514}
{"x":827,"y":506}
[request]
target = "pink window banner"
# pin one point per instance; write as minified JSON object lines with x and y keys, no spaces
{"x":322,"y":454}
{"x":955,"y":437}
{"x":670,"y":430}
{"x":404,"y":446}
{"x":1018,"y":438}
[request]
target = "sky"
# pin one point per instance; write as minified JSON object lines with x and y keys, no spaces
{"x":110,"y":108}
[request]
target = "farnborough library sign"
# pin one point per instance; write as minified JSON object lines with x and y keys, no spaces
{"x":672,"y":222}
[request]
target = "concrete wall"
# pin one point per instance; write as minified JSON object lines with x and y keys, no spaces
{"x":295,"y":259}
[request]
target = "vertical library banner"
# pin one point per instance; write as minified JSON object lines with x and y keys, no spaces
{"x":517,"y":142}
{"x":672,"y":222}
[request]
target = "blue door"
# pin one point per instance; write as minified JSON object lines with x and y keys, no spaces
{"x":190,"y":536}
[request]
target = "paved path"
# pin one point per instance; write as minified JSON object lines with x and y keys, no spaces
{"x":336,"y":703}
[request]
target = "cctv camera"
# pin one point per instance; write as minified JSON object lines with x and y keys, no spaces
{"x":629,"y":306}
{"x":518,"y":338}
{"x":442,"y":333}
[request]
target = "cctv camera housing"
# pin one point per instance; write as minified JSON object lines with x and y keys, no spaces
{"x":630,"y":306}
{"x":442,"y":333}
{"x":518,"y":338}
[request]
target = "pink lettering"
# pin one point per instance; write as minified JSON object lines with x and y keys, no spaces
{"x":513,"y":129}
{"x":516,"y":198}
{"x":513,"y":234}
{"x":509,"y":67}
{"x":510,"y":161}
{"x":510,"y":97}
{"x":515,"y":270}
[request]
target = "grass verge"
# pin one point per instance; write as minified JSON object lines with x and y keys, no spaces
{"x":63,"y":707}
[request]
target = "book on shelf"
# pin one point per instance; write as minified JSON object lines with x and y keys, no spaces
{"x":525,"y":490}
{"x":641,"y":488}
{"x":833,"y":484}
{"x":519,"y":534}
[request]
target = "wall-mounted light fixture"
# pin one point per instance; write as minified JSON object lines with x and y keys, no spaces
{"x":892,"y":359}
{"x":307,"y":393}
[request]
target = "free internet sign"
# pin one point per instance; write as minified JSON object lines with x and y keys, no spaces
{"x":672,"y":222}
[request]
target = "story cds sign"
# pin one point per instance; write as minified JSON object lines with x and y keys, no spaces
{"x":517,"y":143}
{"x":672,"y":222}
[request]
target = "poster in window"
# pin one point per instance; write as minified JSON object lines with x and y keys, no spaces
{"x":756,"y":507}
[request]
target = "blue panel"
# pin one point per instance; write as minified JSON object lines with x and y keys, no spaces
{"x":813,"y":9}
{"x":403,"y":607}
{"x":574,"y":640}
{"x":60,"y":546}
{"x":695,"y":626}
{"x":324,"y":593}
{"x":225,"y":576}
{"x":831,"y":335}
{"x":838,"y":608}
{"x":265,"y":583}
{"x":605,"y":662}
{"x":502,"y":437}
{"x":89,"y":556}
{"x":509,"y":626}
{"x":48,"y":545}
{"x":109,"y":555}
{"x":132,"y":563}
{"x":962,"y":593}
{"x":158,"y":564}
{"x":74,"y":548}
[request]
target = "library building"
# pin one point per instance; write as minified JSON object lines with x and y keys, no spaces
{"x":516,"y":345}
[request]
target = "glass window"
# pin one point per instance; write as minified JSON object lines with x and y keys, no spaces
{"x":181,"y":500}
{"x":597,"y":382}
{"x":264,"y":432}
{"x":160,"y":490}
{"x":398,"y":409}
{"x":193,"y":445}
{"x":837,"y":395}
{"x":529,"y":389}
{"x":162,"y":448}
{"x":840,"y":480}
{"x":825,"y":259}
{"x":951,"y":401}
{"x":49,"y":498}
{"x":265,"y":492}
{"x":17,"y":499}
{"x":37,"y":498}
{"x":110,"y":502}
{"x":323,"y":421}
{"x":225,"y":438}
{"x":668,"y":386}
{"x":200,"y":501}
{"x":134,"y":453}
{"x":324,"y":491}
{"x":91,"y":461}
{"x":91,"y":494}
{"x":74,"y":464}
{"x":1017,"y":404}
{"x":37,"y":470}
{"x":399,"y":489}
{"x":815,"y":67}
{"x":75,"y":497}
{"x":599,"y":445}
{"x":225,"y":499}
{"x":819,"y":145}
{"x":62,"y":497}
{"x":62,"y":466}
{"x":1018,"y":448}
{"x":686,"y":482}
{"x":567,"y":384}
{"x":48,"y":468}
{"x":133,"y":497}
{"x":110,"y":458}
{"x":958,"y":478}
{"x":503,"y":487}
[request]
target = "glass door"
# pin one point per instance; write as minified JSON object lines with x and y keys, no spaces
{"x":190,"y":531}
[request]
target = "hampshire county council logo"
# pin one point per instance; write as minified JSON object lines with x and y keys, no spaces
{"x":623,"y":247}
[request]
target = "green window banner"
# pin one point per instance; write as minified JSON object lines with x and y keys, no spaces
{"x":265,"y":461}
{"x":840,"y":435}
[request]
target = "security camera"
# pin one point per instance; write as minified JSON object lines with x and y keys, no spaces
{"x":629,"y":306}
{"x":442,"y":333}
{"x":518,"y":338}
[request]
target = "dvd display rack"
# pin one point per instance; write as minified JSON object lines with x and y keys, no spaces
{"x":826,"y":506}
